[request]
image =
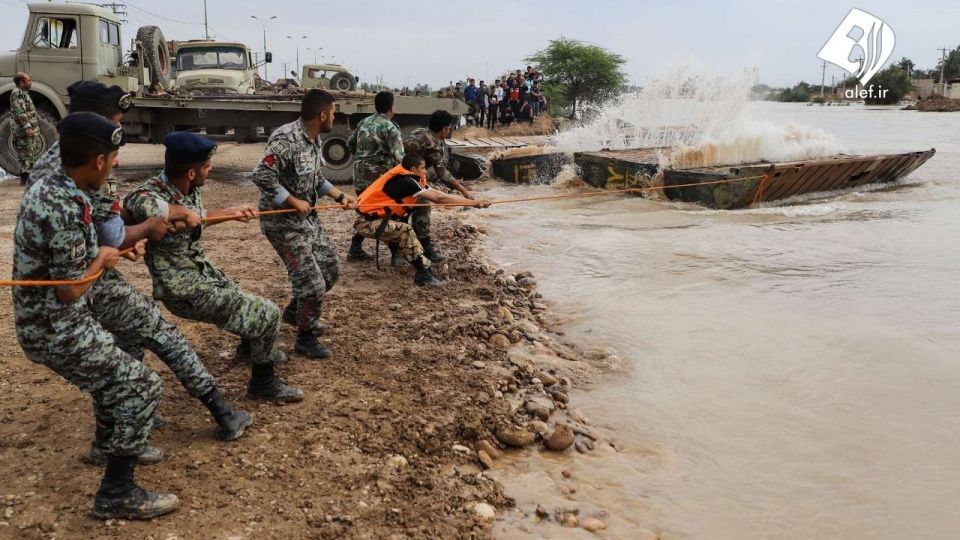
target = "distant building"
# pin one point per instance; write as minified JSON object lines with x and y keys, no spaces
{"x":924,"y":87}
{"x":953,"y":89}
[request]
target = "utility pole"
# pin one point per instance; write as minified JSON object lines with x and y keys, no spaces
{"x":206,"y":27}
{"x":298,"y":50}
{"x":823,"y":77}
{"x":263,"y":23}
{"x":943,"y":65}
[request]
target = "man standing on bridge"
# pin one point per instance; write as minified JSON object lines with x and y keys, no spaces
{"x":290,"y":176}
{"x":26,"y":135}
{"x":377,"y":147}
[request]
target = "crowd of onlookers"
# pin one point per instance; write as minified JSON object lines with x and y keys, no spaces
{"x":516,"y":97}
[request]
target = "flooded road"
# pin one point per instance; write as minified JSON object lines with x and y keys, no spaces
{"x":792,"y":371}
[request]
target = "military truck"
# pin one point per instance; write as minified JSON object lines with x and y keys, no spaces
{"x":64,"y":43}
{"x":328,"y":77}
{"x":205,"y":67}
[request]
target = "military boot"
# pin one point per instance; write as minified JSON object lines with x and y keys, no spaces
{"x":424,"y":277}
{"x":119,"y":496}
{"x":428,"y":250}
{"x":264,"y":384}
{"x":396,"y":260}
{"x":356,"y":252}
{"x":308,"y":345}
{"x":231,"y":422}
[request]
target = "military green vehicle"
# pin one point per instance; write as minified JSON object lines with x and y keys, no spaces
{"x":214,"y":68}
{"x":328,"y":77}
{"x":64,"y":43}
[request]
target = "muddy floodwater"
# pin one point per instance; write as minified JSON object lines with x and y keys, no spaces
{"x":792,"y":371}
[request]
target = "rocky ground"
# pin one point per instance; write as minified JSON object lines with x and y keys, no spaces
{"x":426,"y":390}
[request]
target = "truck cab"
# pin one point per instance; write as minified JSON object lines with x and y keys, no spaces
{"x":214,"y":68}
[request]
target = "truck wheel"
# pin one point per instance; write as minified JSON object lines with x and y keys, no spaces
{"x":337,"y":158}
{"x":242,"y":134}
{"x":343,"y":82}
{"x":156,"y":55}
{"x":8,"y":154}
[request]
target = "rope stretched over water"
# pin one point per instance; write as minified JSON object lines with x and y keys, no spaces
{"x":262,"y":213}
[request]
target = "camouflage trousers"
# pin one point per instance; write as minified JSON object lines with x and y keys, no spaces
{"x":125,"y":392}
{"x":254,"y":319}
{"x":29,"y":149}
{"x":313,"y":268}
{"x":399,"y":232}
{"x":137,"y":324}
{"x":420,"y":219}
{"x":364,"y":175}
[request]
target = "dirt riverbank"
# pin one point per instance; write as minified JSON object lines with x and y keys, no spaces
{"x":386,"y":443}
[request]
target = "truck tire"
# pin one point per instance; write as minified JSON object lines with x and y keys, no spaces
{"x":337,"y":158}
{"x":343,"y":82}
{"x":242,"y":134}
{"x":8,"y":154}
{"x":156,"y":56}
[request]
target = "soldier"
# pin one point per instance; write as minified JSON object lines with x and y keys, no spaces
{"x":289,"y":176}
{"x":377,"y":147}
{"x":384,"y":205}
{"x":430,"y":142}
{"x":55,"y":239}
{"x":187,"y":283}
{"x":133,"y":319}
{"x":26,"y":135}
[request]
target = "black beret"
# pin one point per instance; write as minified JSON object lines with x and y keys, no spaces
{"x":86,"y":93}
{"x":92,"y":126}
{"x":188,"y":148}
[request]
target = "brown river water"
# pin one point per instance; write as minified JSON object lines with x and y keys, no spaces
{"x":792,"y":371}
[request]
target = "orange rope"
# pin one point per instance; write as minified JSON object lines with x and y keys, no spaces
{"x":55,"y":282}
{"x":759,"y":194}
{"x":219,"y":219}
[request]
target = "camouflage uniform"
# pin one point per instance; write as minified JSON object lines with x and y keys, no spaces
{"x":436,"y":154}
{"x":291,"y":166}
{"x":55,"y":239}
{"x":28,"y":148}
{"x":377,"y":147}
{"x":190,"y":286}
{"x":133,"y":319}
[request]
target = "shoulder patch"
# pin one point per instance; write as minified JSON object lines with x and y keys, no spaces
{"x":269,"y":160}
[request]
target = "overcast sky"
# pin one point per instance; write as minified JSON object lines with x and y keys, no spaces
{"x":436,"y":41}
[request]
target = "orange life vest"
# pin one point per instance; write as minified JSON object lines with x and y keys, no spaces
{"x":374,"y":202}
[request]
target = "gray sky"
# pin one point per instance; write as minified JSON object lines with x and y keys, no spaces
{"x":436,"y":41}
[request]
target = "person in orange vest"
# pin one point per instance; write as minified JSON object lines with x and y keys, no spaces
{"x":384,"y":212}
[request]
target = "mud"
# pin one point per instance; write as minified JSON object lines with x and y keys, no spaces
{"x":385,"y":445}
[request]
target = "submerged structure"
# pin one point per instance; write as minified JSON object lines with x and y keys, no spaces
{"x":725,"y":187}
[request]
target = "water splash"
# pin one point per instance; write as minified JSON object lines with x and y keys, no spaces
{"x":701,"y":120}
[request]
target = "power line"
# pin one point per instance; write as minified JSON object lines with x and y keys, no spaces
{"x":138,"y":8}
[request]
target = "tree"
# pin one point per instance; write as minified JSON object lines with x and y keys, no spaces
{"x":894,"y":81}
{"x":799,"y":93}
{"x":580,"y":72}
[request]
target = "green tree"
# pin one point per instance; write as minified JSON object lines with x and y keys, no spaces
{"x":799,"y":93}
{"x":579,"y":72}
{"x":894,"y":81}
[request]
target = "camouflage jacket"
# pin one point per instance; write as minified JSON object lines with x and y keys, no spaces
{"x":21,"y":105}
{"x":177,"y":263}
{"x":377,"y":147}
{"x":54,"y":239}
{"x":105,"y":201}
{"x":434,"y":151}
{"x":291,"y":165}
